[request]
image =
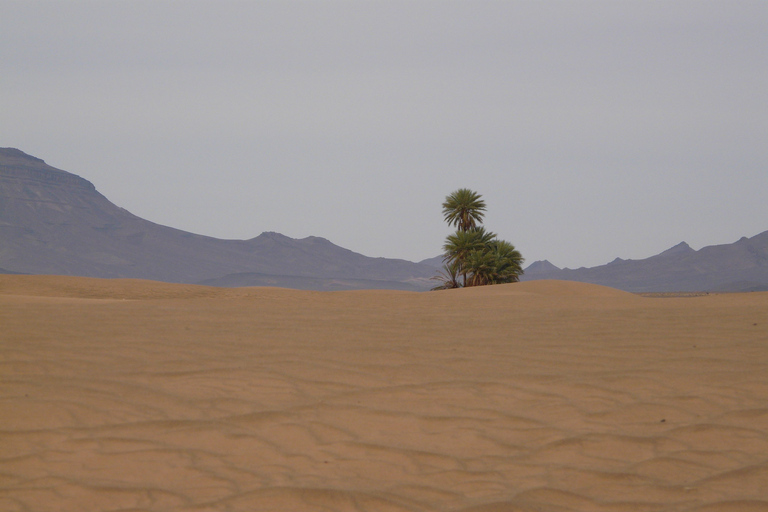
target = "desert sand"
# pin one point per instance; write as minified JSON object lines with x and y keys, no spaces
{"x":128,"y":395}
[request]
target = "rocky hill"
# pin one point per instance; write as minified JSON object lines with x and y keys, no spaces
{"x":740,"y":266}
{"x":54,"y":222}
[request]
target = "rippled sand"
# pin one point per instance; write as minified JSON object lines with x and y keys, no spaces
{"x":539,"y":396}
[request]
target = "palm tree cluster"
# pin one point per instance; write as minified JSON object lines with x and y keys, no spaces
{"x":472,"y":255}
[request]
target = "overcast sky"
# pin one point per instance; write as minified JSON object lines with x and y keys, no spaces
{"x":592,"y":129}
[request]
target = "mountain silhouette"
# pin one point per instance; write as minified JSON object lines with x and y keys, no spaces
{"x":737,"y":267}
{"x":54,"y":222}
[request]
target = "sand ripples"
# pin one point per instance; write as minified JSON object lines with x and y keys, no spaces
{"x":557,"y":397}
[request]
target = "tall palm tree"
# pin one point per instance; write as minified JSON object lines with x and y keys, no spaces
{"x":472,"y":255}
{"x":464,"y":208}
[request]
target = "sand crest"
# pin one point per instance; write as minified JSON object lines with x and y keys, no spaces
{"x":555,"y":396}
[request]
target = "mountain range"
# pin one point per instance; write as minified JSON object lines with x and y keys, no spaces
{"x":738,"y":267}
{"x":55,"y":222}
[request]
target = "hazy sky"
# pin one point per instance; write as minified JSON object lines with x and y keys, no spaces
{"x":592,"y":129}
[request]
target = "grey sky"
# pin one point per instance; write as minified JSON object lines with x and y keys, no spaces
{"x":592,"y":129}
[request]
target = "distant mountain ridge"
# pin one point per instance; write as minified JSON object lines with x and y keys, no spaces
{"x":740,"y":266}
{"x":55,"y":222}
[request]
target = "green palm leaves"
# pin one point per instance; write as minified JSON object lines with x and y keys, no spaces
{"x":463,"y":208}
{"x":472,"y":255}
{"x":460,"y":244}
{"x":496,"y":263}
{"x":449,"y":277}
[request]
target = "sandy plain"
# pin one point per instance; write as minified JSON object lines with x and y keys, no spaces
{"x":125,"y":395}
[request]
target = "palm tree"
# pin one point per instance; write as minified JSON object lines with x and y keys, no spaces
{"x":480,"y":265}
{"x":448,"y":277}
{"x":509,"y":266}
{"x":464,"y":208}
{"x":460,"y":244}
{"x":496,"y":263}
{"x":472,"y":255}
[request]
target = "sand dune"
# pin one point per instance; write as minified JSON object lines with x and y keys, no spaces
{"x":538,"y":396}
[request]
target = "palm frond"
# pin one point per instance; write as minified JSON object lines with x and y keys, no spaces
{"x":464,"y":208}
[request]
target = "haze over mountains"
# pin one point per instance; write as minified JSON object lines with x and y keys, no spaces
{"x":54,"y":222}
